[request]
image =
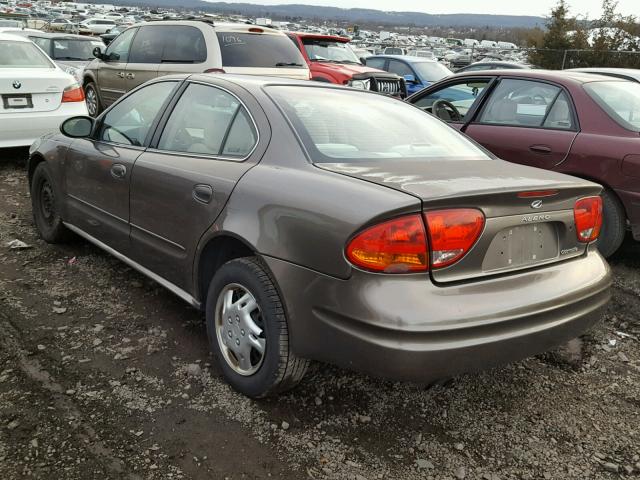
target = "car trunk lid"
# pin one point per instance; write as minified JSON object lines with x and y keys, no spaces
{"x":31,"y":90}
{"x":529,"y":219}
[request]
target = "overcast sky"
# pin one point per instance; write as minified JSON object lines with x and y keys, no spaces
{"x":512,"y":7}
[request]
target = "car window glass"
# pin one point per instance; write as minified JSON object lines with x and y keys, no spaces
{"x":183,"y":44}
{"x":400,"y":68}
{"x":202,"y":120}
{"x":620,"y":100}
{"x":118,"y":49}
{"x":519,"y":103}
{"x":129,"y":121}
{"x":376,"y":63}
{"x":463,"y":96}
{"x":258,"y":51}
{"x":147,"y":46}
{"x":560,"y":114}
{"x":43,"y":43}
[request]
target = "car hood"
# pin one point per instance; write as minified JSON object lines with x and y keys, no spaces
{"x":444,"y":179}
{"x":63,"y":64}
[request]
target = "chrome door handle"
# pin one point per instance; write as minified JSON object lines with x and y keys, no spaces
{"x":131,"y":76}
{"x":118,"y":171}
{"x":121,"y":74}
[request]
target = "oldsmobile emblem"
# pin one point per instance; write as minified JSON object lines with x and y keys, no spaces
{"x":536,"y":204}
{"x":17,"y":85}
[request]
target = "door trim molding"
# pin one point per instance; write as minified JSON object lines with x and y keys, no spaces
{"x":136,"y":266}
{"x":90,"y":205}
{"x":159,"y":237}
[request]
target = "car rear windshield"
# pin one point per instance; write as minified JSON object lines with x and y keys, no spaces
{"x":349,"y":126}
{"x":431,"y":71}
{"x":22,"y":55}
{"x":258,"y":50}
{"x":621,"y":101}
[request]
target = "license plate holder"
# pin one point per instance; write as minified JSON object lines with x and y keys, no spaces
{"x":522,"y":245}
{"x":17,"y":101}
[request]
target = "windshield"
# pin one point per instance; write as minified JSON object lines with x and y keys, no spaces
{"x":64,"y":49}
{"x":327,"y":50}
{"x":258,"y":50}
{"x":22,"y":55}
{"x":621,"y":101}
{"x":431,"y":71}
{"x":370,"y":127}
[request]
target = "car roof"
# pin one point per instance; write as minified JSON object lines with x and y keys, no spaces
{"x":560,"y":76}
{"x":406,"y":58}
{"x":630,"y":72}
{"x":62,"y":36}
{"x":223,"y":27}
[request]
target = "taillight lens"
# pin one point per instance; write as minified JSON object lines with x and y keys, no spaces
{"x":73,"y":93}
{"x":452,"y":233}
{"x":395,"y":246}
{"x":588,"y":216}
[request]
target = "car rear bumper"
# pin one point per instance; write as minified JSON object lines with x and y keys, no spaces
{"x":406,"y":328}
{"x":21,"y":129}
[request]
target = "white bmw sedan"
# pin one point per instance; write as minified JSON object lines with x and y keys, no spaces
{"x":36,"y":96}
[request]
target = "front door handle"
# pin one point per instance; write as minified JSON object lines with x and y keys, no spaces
{"x":544,"y":149}
{"x":118,"y":170}
{"x":121,"y":74}
{"x":203,"y":193}
{"x":131,"y":76}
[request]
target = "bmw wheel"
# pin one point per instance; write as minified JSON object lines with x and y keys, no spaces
{"x":248,"y":330}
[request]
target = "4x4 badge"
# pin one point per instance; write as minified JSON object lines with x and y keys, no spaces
{"x":536,"y":204}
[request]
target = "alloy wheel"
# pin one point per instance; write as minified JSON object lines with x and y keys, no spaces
{"x":92,"y":101}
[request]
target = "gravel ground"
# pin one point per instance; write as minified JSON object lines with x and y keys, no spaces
{"x":103,"y":374}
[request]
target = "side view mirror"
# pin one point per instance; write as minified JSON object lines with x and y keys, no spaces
{"x":97,"y":52}
{"x":77,"y":127}
{"x":410,"y":79}
{"x":363,"y":60}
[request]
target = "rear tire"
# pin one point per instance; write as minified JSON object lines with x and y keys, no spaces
{"x":614,"y":224}
{"x":92,"y":99}
{"x":276,"y":368}
{"x":45,"y":203}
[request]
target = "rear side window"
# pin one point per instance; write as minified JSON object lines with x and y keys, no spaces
{"x":258,"y":50}
{"x":168,"y":44}
{"x":620,"y":100}
{"x":209,"y":121}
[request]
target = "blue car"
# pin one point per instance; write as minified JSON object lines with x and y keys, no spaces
{"x":418,"y":72}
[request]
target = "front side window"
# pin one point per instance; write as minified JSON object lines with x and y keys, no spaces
{"x":520,"y":103}
{"x":620,"y":100}
{"x":22,"y":55}
{"x":258,"y":50}
{"x":118,"y":50}
{"x":319,"y":50}
{"x":129,"y":121}
{"x":345,"y":126}
{"x":463,"y":96}
{"x":209,"y":121}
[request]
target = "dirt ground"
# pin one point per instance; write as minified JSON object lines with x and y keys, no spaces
{"x":105,"y":375}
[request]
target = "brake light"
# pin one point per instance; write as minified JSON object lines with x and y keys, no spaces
{"x":73,"y":93}
{"x":538,"y":194}
{"x":215,"y":70}
{"x":395,"y":246}
{"x":256,"y":30}
{"x":452,"y":233}
{"x":588,"y":216}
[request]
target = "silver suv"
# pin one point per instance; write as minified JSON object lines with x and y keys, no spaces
{"x":154,"y":49}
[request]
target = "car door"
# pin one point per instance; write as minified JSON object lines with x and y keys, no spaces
{"x":179,"y":188}
{"x":457,"y":99}
{"x":403,"y":69}
{"x":111,"y":70}
{"x":145,"y":57}
{"x":526,"y":121}
{"x":98,"y":169}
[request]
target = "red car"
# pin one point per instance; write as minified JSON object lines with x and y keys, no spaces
{"x":580,"y":124}
{"x":331,"y":60}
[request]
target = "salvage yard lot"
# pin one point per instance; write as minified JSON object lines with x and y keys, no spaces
{"x":103,"y":374}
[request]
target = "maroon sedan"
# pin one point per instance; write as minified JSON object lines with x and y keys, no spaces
{"x":581,"y":124}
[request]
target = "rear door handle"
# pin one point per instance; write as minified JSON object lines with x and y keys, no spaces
{"x":131,"y":76}
{"x":544,"y":149}
{"x":121,"y":74}
{"x":203,"y":193}
{"x":118,"y":170}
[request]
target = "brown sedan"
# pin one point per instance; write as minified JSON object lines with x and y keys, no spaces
{"x":318,"y":222}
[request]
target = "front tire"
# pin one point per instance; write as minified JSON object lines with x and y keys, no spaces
{"x":92,"y":99}
{"x":45,"y":203}
{"x":614,"y":226}
{"x":248,"y":330}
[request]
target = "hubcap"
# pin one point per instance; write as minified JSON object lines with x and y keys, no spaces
{"x":92,"y":101}
{"x":47,"y":203}
{"x":240,"y":329}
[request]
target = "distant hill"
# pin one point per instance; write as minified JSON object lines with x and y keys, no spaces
{"x":354,"y":15}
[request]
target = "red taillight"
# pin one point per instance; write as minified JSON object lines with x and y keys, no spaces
{"x":215,"y":70}
{"x":452,"y":233}
{"x":395,"y":246}
{"x":256,"y":30}
{"x":538,"y":194}
{"x":73,"y":93}
{"x":588,"y":216}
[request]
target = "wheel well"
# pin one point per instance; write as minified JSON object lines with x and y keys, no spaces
{"x":34,"y":161}
{"x":216,"y":253}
